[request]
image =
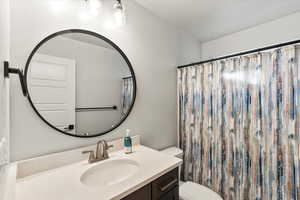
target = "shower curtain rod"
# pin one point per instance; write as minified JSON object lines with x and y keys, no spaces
{"x":241,"y":53}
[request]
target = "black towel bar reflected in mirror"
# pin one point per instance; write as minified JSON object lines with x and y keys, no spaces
{"x":96,"y":109}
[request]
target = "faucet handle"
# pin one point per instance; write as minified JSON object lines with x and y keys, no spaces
{"x":91,"y":156}
{"x":105,"y":148}
{"x":105,"y":144}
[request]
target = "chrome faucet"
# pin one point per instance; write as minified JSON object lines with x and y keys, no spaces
{"x":101,"y":152}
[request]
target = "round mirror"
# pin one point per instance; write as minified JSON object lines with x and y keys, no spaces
{"x":80,"y":83}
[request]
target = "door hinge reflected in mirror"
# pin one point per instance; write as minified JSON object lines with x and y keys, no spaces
{"x":8,"y":70}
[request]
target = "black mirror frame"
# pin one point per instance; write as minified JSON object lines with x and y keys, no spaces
{"x":100,"y":37}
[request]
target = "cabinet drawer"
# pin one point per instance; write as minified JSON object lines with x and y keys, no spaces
{"x":164,"y":184}
{"x":171,"y":195}
{"x":141,"y":194}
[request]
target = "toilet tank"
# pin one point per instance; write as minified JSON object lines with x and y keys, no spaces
{"x":173,"y":151}
{"x":176,"y":152}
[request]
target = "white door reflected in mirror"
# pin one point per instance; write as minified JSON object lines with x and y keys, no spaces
{"x":52,"y":87}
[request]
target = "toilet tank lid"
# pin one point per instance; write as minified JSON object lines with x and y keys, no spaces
{"x":173,"y":151}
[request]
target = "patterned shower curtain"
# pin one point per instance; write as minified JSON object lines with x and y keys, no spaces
{"x":127,"y":95}
{"x":239,"y":125}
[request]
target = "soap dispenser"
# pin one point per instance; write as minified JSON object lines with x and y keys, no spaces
{"x":128,"y":142}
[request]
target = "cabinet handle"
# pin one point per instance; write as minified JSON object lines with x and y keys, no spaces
{"x":164,"y":188}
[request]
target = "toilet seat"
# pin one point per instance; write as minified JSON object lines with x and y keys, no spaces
{"x":194,"y":191}
{"x":190,"y":190}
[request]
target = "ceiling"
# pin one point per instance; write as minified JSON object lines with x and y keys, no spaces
{"x":211,"y":19}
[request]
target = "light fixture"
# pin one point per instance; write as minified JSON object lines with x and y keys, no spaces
{"x":119,"y":14}
{"x":93,"y":6}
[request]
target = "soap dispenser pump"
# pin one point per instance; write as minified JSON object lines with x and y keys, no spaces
{"x":128,"y":142}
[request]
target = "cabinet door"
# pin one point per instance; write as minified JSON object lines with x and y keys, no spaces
{"x":141,"y":194}
{"x":164,"y":184}
{"x":171,"y":195}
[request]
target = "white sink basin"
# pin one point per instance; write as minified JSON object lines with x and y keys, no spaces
{"x":109,"y":173}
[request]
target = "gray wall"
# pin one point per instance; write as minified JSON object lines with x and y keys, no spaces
{"x":190,"y":49}
{"x":274,"y":32}
{"x":4,"y":92}
{"x":4,"y":84}
{"x":150,"y":44}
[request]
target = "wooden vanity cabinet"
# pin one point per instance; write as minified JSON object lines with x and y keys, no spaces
{"x":171,"y":195}
{"x":165,"y":187}
{"x":142,"y":194}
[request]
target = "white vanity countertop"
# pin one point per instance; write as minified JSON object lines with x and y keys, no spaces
{"x":64,"y":183}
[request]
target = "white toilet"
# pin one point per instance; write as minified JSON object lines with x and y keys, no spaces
{"x":190,"y":190}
